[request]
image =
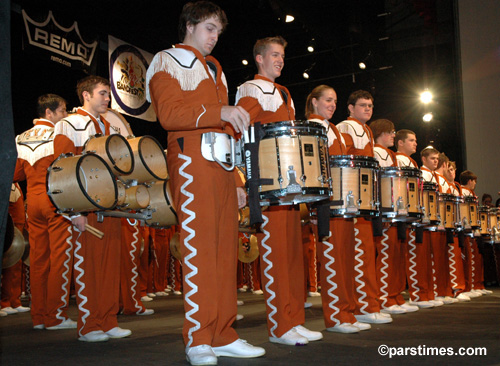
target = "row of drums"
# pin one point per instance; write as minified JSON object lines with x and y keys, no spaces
{"x":293,"y":155}
{"x":114,"y":173}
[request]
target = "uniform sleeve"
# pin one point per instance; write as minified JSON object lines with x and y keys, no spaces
{"x":19,"y":173}
{"x":252,"y":106}
{"x":174,"y":113}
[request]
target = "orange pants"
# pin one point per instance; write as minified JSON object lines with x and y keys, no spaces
{"x":390,"y":264}
{"x":477,"y":266}
{"x":205,"y":199}
{"x":456,"y":267}
{"x":310,"y":263}
{"x":336,"y":258}
{"x":365,"y":276}
{"x":419,"y":268}
{"x":467,"y":262}
{"x":130,"y":296}
{"x":97,"y":276}
{"x":161,"y":240}
{"x":282,"y":269}
{"x":440,"y":264}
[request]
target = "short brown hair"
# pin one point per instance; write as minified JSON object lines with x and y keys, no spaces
{"x":261,"y":45}
{"x":380,"y":126}
{"x":196,"y":12}
{"x":402,"y":135}
{"x":442,"y":160}
{"x":428,"y":151}
{"x":88,"y":84}
{"x":358,"y":94}
{"x":466,"y":176}
{"x":316,"y":93}
{"x":50,"y":101}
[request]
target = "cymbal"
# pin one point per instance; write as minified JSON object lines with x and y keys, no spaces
{"x":248,"y":252}
{"x":175,"y":246}
{"x":15,"y":251}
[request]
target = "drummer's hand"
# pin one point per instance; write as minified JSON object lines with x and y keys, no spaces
{"x":242,"y":197}
{"x":237,"y":116}
{"x":79,"y":222}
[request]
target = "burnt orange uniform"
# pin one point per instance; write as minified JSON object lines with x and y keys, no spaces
{"x":359,"y":141}
{"x":96,"y":261}
{"x":188,"y":91}
{"x":390,"y":262}
{"x":50,"y":234}
{"x":280,"y":245}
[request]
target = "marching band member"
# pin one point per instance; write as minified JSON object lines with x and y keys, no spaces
{"x":335,"y":254}
{"x":468,"y":181}
{"x":50,"y":235}
{"x":268,"y":102}
{"x":97,"y":262}
{"x":390,"y":262}
{"x":189,"y":94}
{"x":359,"y":141}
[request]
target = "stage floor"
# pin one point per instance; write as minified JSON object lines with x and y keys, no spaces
{"x":156,"y":339}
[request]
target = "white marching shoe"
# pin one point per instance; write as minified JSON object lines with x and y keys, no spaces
{"x":344,"y":328}
{"x":373,"y":318}
{"x":239,"y":349}
{"x":290,"y":338}
{"x":393,"y":309}
{"x":201,"y":355}
{"x":311,"y":335}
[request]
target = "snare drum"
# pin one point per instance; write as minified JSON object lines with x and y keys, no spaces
{"x":81,"y":183}
{"x":430,"y":204}
{"x":115,"y":150}
{"x":150,"y":162}
{"x":354,"y":182}
{"x":473,"y":211}
{"x":464,"y":218}
{"x":162,"y":206}
{"x":294,"y":154}
{"x":400,"y":191}
{"x":484,"y":229}
{"x":447,"y":212}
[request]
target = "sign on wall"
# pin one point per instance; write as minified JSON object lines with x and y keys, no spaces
{"x":53,"y":42}
{"x":127,"y":73}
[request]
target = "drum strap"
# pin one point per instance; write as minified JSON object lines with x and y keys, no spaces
{"x":401,"y":231}
{"x":449,"y":236}
{"x":419,"y":234}
{"x":377,"y":226}
{"x":323,"y":212}
{"x":461,"y":239}
{"x":253,"y":176}
{"x":480,"y":244}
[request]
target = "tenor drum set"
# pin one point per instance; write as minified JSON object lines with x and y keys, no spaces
{"x":117,"y":175}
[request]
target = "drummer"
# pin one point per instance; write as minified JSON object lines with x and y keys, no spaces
{"x":468,"y":181}
{"x":391,"y":249}
{"x":335,"y":254}
{"x":268,"y":102}
{"x":97,"y":262}
{"x":359,"y":141}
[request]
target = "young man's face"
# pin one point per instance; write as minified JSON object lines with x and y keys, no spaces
{"x":204,"y":35}
{"x":409,"y":145}
{"x":272,"y":61}
{"x":386,"y":139}
{"x":58,"y":114}
{"x":97,"y":102}
{"x":362,"y":110}
{"x":431,"y":161}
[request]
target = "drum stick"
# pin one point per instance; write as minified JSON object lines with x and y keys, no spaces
{"x":92,"y":230}
{"x":252,"y":134}
{"x":246,"y":139}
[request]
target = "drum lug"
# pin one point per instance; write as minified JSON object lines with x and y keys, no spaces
{"x":293,"y":186}
{"x":351,"y":204}
{"x":401,"y":209}
{"x":55,"y":168}
{"x":56,"y":191}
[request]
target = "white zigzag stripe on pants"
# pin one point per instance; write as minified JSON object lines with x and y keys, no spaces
{"x":78,"y":280}
{"x":385,"y":247}
{"x":269,"y":266}
{"x":413,"y":256}
{"x":329,"y":279}
{"x":193,"y":270}
{"x":357,"y":268}
{"x":65,"y":274}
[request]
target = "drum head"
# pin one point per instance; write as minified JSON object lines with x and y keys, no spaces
{"x":118,"y":122}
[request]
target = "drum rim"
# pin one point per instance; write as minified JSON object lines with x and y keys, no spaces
{"x":141,"y":140}
{"x":131,"y":153}
{"x":368,"y":160}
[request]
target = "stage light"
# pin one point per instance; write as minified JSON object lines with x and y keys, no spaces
{"x":362,"y":65}
{"x":305,"y":75}
{"x":289,"y":18}
{"x":310,"y":49}
{"x":426,"y":97}
{"x":427,"y":117}
{"x":244,"y":62}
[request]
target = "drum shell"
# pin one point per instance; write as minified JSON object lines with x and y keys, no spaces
{"x":96,"y":187}
{"x":447,"y":210}
{"x":150,"y":161}
{"x":118,"y":122}
{"x":133,"y":198}
{"x":303,"y":146}
{"x":473,"y":211}
{"x":485,"y":228}
{"x":358,"y":175}
{"x":401,"y":194}
{"x":161,"y":204}
{"x":430,"y":202}
{"x":115,"y":150}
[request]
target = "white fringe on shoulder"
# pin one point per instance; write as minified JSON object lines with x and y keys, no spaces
{"x":77,"y":128}
{"x":268,"y":101}
{"x":188,"y":78}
